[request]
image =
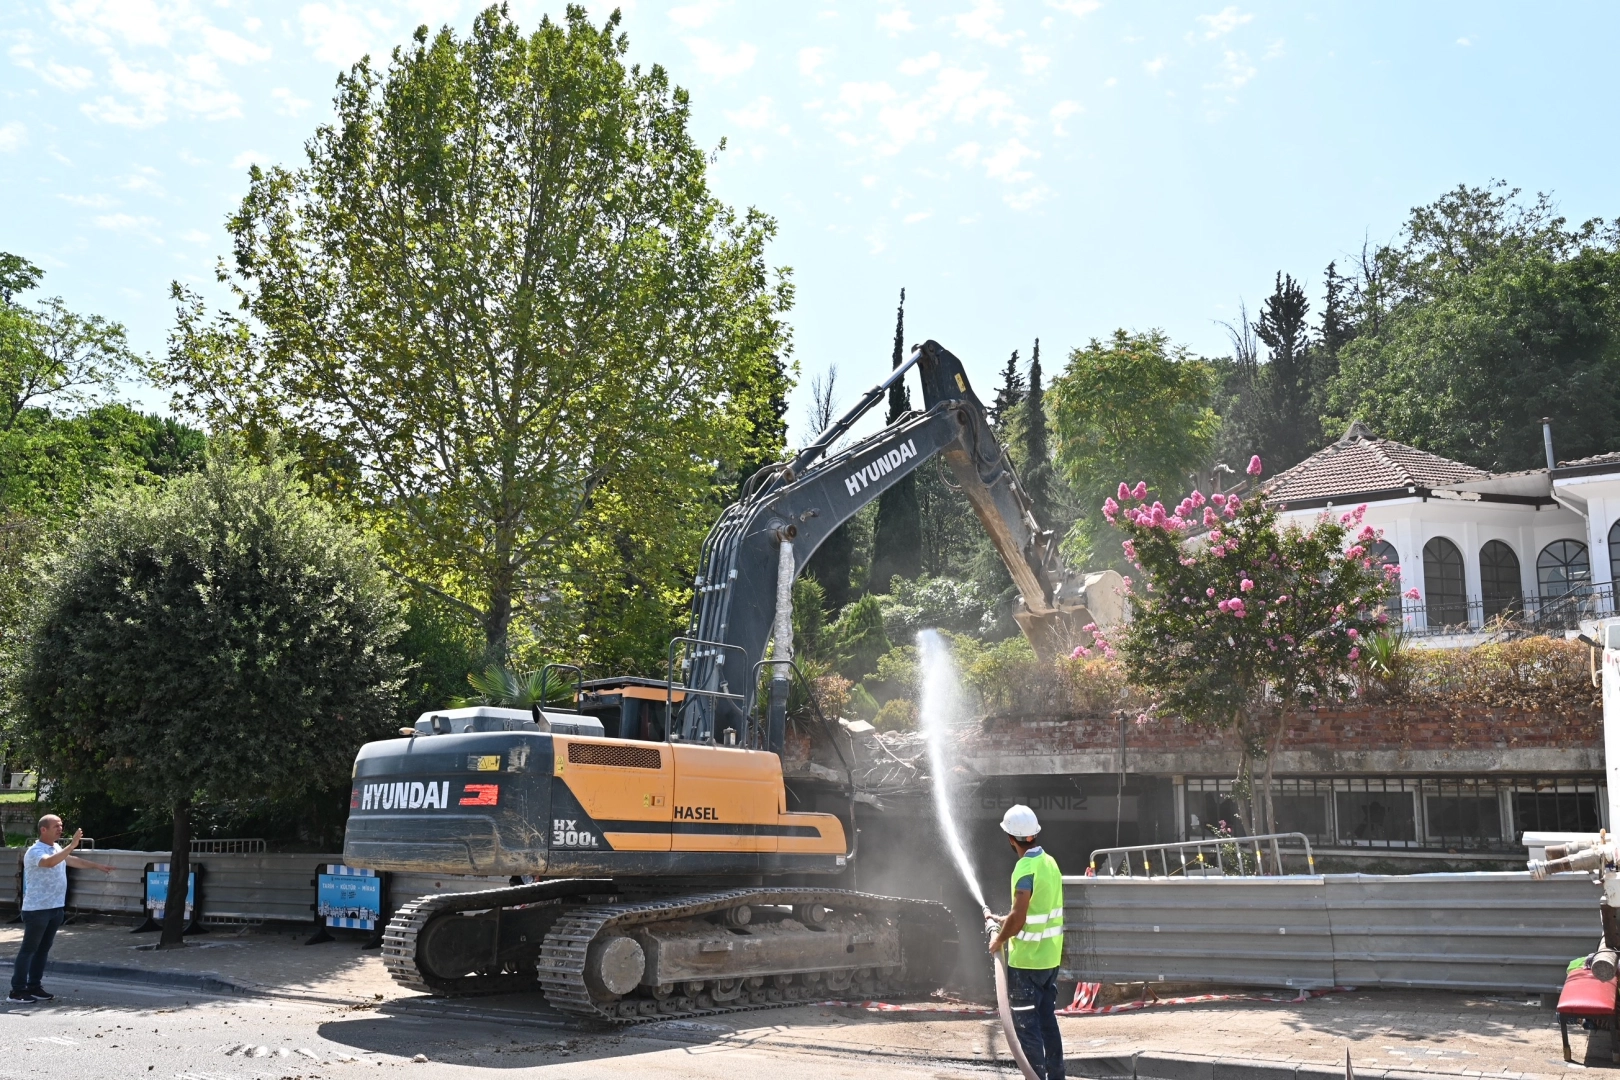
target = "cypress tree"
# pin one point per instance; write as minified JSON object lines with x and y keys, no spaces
{"x":1037,"y":470}
{"x":897,"y":537}
{"x":1009,"y":395}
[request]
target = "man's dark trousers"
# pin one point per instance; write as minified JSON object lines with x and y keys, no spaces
{"x":1033,"y":996}
{"x":39,"y":930}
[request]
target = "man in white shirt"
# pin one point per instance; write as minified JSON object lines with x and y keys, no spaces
{"x":44,"y":904}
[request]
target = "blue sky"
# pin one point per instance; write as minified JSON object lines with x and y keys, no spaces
{"x":1038,"y":169}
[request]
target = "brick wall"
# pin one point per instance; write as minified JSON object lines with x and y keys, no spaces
{"x":1353,"y":738}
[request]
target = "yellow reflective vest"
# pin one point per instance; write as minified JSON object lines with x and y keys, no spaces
{"x":1039,"y":945}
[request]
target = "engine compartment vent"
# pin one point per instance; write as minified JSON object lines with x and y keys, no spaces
{"x":623,"y":757}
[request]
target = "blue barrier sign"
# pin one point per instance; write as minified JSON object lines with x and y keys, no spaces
{"x":157,"y":889}
{"x":348,"y":897}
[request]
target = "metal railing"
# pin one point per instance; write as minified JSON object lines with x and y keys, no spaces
{"x":227,"y":847}
{"x":1512,"y":615}
{"x":1215,"y":856}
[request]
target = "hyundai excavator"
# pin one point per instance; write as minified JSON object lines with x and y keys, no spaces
{"x":657,"y":870}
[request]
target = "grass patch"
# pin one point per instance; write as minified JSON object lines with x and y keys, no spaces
{"x":18,"y":796}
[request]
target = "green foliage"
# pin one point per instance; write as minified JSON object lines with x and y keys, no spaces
{"x":809,"y":619}
{"x":222,"y":638}
{"x":441,"y":650}
{"x":858,"y":638}
{"x":1489,"y":314}
{"x":937,"y":603}
{"x":1132,"y":406}
{"x":517,"y":689}
{"x":49,"y":354}
{"x":897,"y":530}
{"x":501,"y":294}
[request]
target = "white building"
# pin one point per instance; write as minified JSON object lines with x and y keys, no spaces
{"x":1535,"y":549}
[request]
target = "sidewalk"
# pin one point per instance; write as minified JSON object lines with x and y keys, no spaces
{"x":1388,"y":1032}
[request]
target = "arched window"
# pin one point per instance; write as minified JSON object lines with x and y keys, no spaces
{"x":1499,"y":580}
{"x":1614,"y":558}
{"x":1562,"y":568}
{"x":1444,"y":594}
{"x":1383,"y":552}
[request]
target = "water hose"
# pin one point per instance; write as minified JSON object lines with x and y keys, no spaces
{"x":1003,"y":1005}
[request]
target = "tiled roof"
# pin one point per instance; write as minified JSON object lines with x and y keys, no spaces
{"x":1361,"y":462}
{"x":1612,"y":457}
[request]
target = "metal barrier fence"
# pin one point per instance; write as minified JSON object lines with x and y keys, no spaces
{"x":237,"y":888}
{"x":1488,"y":931}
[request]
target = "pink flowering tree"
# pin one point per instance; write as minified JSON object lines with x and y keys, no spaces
{"x":1238,"y":621}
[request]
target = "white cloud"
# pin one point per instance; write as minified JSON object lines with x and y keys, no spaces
{"x":1110,"y":81}
{"x":692,"y":16}
{"x":227,"y":46}
{"x":955,"y":96}
{"x":1023,"y":200}
{"x":1223,"y":22}
{"x":288,"y":103}
{"x":812,"y":58}
{"x":920,"y":215}
{"x":1035,"y":61}
{"x":979,"y":23}
{"x":714,"y":59}
{"x":1235,"y":71}
{"x":248,"y":157}
{"x":1464,"y":42}
{"x":896,"y":21}
{"x":1075,"y":7}
{"x":966,"y":154}
{"x":918,"y":64}
{"x":125,"y":223}
{"x":54,"y":74}
{"x":341,"y":36}
{"x":1004,"y":163}
{"x":142,"y":181}
{"x":756,"y":114}
{"x":12,"y":136}
{"x":1155,"y":65}
{"x":194,"y":236}
{"x":91,"y":202}
{"x":1061,"y":112}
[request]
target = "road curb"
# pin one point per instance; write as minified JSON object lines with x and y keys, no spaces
{"x":206,"y":982}
{"x":1162,"y":1066}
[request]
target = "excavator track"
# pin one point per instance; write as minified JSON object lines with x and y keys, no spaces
{"x":573,"y":927}
{"x":401,"y":938}
{"x":563,"y":955}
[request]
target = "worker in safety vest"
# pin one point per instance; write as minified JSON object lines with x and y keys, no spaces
{"x":1033,"y":934}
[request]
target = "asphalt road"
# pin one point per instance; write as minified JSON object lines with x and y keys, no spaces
{"x":103,"y":1029}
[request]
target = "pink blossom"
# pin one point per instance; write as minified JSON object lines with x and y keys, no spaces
{"x":1210,"y":592}
{"x":1079,"y":651}
{"x":1412,"y":594}
{"x":1139,"y":492}
{"x":1354,"y":633}
{"x":1130,"y":550}
{"x":1355,"y":552}
{"x":1367,"y":533}
{"x":1283,"y":599}
{"x":1218,"y":499}
{"x":1246,"y":585}
{"x":1197,"y":498}
{"x":1210,"y":518}
{"x":1254,"y":465}
{"x":1355,"y":653}
{"x":1288,"y":638}
{"x":1383,"y":619}
{"x":1110,"y":509}
{"x":1225,"y":605}
{"x":1124,"y":491}
{"x":1089,"y":628}
{"x":1391,"y":570}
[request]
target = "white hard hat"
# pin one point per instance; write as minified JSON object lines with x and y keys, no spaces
{"x":1019,"y":820}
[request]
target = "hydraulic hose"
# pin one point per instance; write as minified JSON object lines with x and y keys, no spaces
{"x":1004,"y":1006}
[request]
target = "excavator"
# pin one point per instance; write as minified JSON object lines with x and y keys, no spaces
{"x":656,"y":869}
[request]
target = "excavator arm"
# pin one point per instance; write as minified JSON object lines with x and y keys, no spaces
{"x":761,"y":542}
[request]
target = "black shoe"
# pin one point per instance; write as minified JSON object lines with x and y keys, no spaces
{"x":22,"y":996}
{"x":41,"y":994}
